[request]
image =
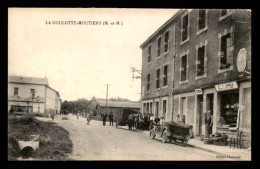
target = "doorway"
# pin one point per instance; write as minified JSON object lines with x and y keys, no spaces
{"x":209,"y":107}
{"x":200,"y":111}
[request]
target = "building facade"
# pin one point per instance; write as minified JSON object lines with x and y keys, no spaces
{"x":30,"y":94}
{"x":200,"y":61}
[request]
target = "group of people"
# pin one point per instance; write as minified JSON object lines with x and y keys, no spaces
{"x":110,"y":116}
{"x":143,"y":121}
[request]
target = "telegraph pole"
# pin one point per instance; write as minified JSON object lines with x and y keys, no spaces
{"x":106,"y":97}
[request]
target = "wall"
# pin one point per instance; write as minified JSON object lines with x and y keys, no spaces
{"x":35,"y":106}
{"x":25,"y":90}
{"x":51,"y":99}
{"x":211,"y":36}
{"x":245,"y":113}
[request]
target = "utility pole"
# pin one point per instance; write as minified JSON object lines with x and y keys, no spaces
{"x":106,"y":97}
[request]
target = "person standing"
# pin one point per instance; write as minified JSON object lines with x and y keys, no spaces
{"x":104,"y":117}
{"x":88,"y":118}
{"x":111,"y":117}
{"x":209,"y":122}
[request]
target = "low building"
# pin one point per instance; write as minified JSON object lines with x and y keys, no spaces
{"x":31,"y":94}
{"x":116,"y":106}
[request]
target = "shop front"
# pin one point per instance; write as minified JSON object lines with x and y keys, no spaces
{"x":225,"y":109}
{"x":234,"y":110}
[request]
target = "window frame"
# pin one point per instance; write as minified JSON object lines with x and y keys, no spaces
{"x":188,"y":28}
{"x":32,"y":91}
{"x":205,"y":44}
{"x":158,"y":78}
{"x":168,"y":42}
{"x":231,"y":49}
{"x":148,"y":83}
{"x":165,"y":76}
{"x":149,"y":53}
{"x":199,"y":31}
{"x":15,"y":91}
{"x":187,"y":67}
{"x":229,"y":12}
{"x":159,"y":47}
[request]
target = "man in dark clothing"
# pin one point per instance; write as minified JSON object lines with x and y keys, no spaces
{"x":209,"y":122}
{"x":111,"y":118}
{"x":104,"y":117}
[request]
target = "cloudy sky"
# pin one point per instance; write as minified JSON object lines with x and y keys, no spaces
{"x":78,"y":59}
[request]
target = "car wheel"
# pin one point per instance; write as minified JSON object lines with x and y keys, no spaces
{"x":152,"y":134}
{"x":164,"y":137}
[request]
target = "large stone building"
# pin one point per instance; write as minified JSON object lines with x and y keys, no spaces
{"x":30,"y":94}
{"x":190,"y":65}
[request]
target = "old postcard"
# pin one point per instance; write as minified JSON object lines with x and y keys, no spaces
{"x":129,"y":84}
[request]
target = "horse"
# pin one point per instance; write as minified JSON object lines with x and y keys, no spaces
{"x":130,"y":122}
{"x":136,"y":123}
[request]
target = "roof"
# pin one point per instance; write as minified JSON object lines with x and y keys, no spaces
{"x":163,"y":26}
{"x":128,"y":104}
{"x":31,"y":80}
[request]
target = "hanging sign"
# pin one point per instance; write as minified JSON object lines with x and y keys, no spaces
{"x":198,"y":91}
{"x":226,"y":86}
{"x":241,"y":60}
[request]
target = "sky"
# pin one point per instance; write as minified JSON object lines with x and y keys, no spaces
{"x":79,"y":60}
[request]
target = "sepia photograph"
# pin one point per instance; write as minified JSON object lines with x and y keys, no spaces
{"x":129,"y":84}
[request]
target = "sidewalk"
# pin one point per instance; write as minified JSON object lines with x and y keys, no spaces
{"x":222,"y":152}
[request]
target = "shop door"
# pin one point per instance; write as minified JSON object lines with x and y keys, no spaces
{"x":200,"y":112}
{"x":210,"y":101}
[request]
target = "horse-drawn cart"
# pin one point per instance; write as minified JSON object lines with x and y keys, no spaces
{"x":171,"y":131}
{"x":122,"y":117}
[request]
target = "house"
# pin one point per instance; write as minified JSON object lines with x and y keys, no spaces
{"x":31,"y":94}
{"x":200,"y":61}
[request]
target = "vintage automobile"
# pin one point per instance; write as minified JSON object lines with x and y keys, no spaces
{"x":171,"y":131}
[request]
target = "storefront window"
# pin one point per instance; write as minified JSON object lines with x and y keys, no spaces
{"x":229,"y":109}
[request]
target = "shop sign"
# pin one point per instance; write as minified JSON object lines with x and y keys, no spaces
{"x":241,"y":60}
{"x":198,"y":91}
{"x":226,"y":86}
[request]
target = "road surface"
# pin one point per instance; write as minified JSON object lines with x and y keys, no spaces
{"x":98,"y":142}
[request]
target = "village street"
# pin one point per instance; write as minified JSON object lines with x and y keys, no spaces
{"x":98,"y":142}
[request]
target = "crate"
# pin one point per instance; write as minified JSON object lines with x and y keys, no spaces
{"x":221,"y":142}
{"x":207,"y":141}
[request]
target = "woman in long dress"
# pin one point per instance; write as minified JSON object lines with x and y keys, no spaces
{"x":88,"y":118}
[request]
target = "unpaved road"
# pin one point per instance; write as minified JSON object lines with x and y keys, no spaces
{"x":98,"y":142}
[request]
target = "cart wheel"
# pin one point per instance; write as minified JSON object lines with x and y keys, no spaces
{"x":152,"y":134}
{"x":164,"y":137}
{"x":184,"y":143}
